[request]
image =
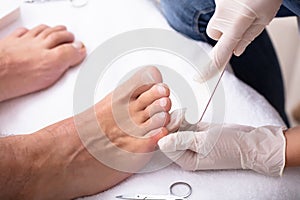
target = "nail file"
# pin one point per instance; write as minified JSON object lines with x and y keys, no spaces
{"x":9,"y":11}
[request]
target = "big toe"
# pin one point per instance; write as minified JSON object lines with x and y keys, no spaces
{"x":69,"y":54}
{"x":140,"y":82}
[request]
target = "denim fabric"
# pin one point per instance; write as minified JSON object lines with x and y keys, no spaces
{"x":258,"y":66}
{"x":298,"y":23}
{"x":284,"y":12}
{"x":293,"y":5}
{"x":189,"y":17}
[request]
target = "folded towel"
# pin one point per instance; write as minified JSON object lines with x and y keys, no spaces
{"x":94,"y":24}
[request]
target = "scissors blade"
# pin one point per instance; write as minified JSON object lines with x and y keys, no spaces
{"x":149,"y":197}
{"x":39,"y":1}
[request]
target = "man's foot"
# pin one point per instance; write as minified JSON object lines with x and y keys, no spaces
{"x":131,"y":118}
{"x":136,"y":112}
{"x":31,"y":60}
{"x":85,"y":155}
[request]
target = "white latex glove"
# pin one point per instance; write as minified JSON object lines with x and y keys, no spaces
{"x":236,"y":23}
{"x":299,"y":23}
{"x":235,"y":147}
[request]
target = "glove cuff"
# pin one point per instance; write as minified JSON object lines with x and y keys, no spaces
{"x":266,"y":150}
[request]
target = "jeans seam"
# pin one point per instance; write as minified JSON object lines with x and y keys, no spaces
{"x":196,"y":17}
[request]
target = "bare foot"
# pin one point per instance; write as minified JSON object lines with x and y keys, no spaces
{"x":136,"y":111}
{"x":132,"y":118}
{"x":93,"y":151}
{"x":31,"y":60}
{"x":128,"y":122}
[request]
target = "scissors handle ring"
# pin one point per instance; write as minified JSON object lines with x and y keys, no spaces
{"x":184,"y":184}
{"x":78,"y":3}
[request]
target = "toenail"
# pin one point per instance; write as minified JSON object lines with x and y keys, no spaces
{"x":161,"y":90}
{"x":77,"y":44}
{"x":163,"y":102}
{"x":162,"y":115}
{"x":147,"y":77}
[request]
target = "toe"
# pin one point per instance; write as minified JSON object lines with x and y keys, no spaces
{"x":57,"y":38}
{"x":70,"y":54}
{"x":155,"y":135}
{"x":50,"y":30}
{"x":19,"y":32}
{"x":148,"y":77}
{"x":140,"y":82}
{"x":160,"y":105}
{"x":37,"y":30}
{"x":157,"y":121}
{"x":148,"y":97}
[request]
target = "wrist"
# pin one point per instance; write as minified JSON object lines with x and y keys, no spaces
{"x":263,"y":150}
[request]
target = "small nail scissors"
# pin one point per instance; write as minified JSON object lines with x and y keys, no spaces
{"x":171,"y":196}
{"x":74,"y":3}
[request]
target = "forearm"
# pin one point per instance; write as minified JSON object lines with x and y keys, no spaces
{"x":293,"y":147}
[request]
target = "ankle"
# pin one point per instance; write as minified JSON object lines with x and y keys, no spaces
{"x":82,"y":175}
{"x":51,"y":150}
{"x":65,"y":146}
{"x":64,"y":169}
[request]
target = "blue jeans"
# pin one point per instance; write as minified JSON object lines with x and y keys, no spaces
{"x":293,"y":6}
{"x":258,"y":66}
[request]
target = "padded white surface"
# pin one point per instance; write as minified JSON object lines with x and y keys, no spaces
{"x":9,"y":11}
{"x":94,"y":24}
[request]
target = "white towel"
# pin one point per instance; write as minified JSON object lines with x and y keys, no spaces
{"x":97,"y":22}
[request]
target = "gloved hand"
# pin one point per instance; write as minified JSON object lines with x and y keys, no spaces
{"x":228,"y":147}
{"x":236,"y":23}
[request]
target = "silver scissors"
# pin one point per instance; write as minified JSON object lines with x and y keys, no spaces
{"x":74,"y":3}
{"x":171,"y":196}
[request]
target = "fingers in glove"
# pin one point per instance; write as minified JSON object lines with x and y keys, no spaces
{"x":185,"y":140}
{"x":221,"y":54}
{"x":213,"y":30}
{"x":252,"y":32}
{"x":187,"y":160}
{"x":228,"y":26}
